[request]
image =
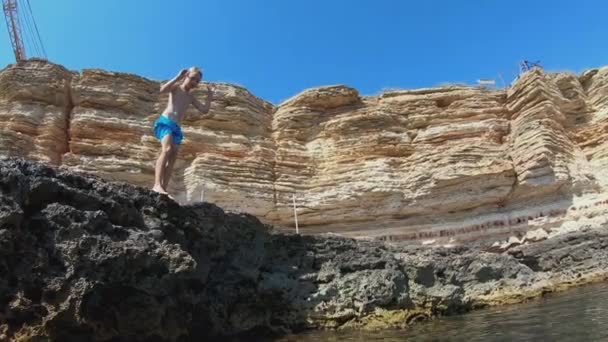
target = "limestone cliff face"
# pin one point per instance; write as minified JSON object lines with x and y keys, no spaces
{"x":428,"y":165}
{"x":34,"y":111}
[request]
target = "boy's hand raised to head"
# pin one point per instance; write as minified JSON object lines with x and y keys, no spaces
{"x":182,"y":73}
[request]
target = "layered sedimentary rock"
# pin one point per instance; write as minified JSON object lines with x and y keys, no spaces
{"x":438,"y":165}
{"x":592,"y":135}
{"x":423,"y":152}
{"x":110,"y":125}
{"x":34,"y":111}
{"x":82,"y":259}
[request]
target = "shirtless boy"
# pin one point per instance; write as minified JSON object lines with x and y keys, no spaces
{"x":167,"y":127}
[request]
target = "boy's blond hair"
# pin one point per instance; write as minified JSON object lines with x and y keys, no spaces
{"x":193,"y":71}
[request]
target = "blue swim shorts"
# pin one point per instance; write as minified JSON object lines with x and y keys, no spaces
{"x":163,"y":126}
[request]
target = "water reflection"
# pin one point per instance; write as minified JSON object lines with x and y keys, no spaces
{"x":576,"y":315}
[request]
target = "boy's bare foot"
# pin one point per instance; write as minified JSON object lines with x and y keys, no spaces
{"x":160,"y":190}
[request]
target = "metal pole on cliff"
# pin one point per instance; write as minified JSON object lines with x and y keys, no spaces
{"x":295,"y":213}
{"x":504,"y":85}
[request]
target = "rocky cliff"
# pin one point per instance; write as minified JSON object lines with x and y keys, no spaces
{"x":435,"y":165}
{"x":82,"y":259}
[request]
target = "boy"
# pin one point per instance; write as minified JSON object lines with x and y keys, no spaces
{"x":167,"y":127}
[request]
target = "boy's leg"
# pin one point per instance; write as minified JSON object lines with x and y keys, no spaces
{"x":161,"y":162}
{"x":170,"y":164}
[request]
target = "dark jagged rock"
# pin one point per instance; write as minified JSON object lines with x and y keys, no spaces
{"x":82,"y":259}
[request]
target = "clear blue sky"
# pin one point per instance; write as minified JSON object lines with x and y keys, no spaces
{"x":277,"y":48}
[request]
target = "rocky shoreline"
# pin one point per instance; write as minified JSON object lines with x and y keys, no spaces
{"x":90,"y":260}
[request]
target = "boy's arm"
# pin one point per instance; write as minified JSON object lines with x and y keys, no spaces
{"x":204,"y":108}
{"x":170,"y":86}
